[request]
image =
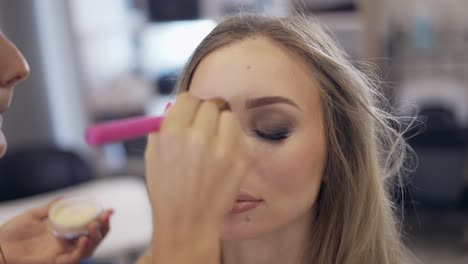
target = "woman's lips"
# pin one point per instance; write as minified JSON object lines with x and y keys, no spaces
{"x":244,"y":206}
{"x":245,"y":202}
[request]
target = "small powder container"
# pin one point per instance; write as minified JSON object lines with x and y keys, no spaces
{"x":69,"y":218}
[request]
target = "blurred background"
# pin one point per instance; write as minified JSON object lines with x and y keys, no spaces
{"x":101,"y":60}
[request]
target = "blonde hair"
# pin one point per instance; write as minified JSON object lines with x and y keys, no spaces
{"x":356,"y":222}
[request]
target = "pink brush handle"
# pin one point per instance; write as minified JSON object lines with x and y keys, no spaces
{"x":120,"y":130}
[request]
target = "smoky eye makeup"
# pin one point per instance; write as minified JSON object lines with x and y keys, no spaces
{"x":271,"y":125}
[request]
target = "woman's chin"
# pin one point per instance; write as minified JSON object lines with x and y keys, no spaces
{"x":237,"y":234}
{"x":240,"y":228}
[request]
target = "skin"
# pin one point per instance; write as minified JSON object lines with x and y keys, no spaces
{"x":27,"y":238}
{"x":276,"y":124}
{"x":13,"y":70}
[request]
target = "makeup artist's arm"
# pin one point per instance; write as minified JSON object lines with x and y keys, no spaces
{"x":27,"y":239}
{"x":194,"y":168}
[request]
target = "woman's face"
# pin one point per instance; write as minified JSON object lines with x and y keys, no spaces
{"x":277,"y":101}
{"x":13,"y":70}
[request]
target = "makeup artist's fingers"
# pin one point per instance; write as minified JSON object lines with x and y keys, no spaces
{"x":221,"y":104}
{"x":42,"y":212}
{"x":97,"y":231}
{"x":229,"y":132}
{"x":206,"y":120}
{"x":230,"y":148}
{"x":94,"y":238}
{"x":181,"y":114}
{"x":104,"y":220}
{"x":94,"y":233}
{"x":228,"y":140}
{"x":76,"y":254}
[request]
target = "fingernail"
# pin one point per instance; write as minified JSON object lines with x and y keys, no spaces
{"x":222,"y":104}
{"x":86,"y":243}
{"x":167,"y":106}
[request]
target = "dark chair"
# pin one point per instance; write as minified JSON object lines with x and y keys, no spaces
{"x":37,"y":170}
{"x":441,"y":150}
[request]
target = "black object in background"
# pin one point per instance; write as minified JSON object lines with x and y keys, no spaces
{"x":169,"y":10}
{"x":318,"y":6}
{"x":40,"y":169}
{"x":166,"y":83}
{"x":437,"y":183}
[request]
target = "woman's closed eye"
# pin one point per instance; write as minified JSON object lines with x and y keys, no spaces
{"x":273,"y":135}
{"x":272,"y":126}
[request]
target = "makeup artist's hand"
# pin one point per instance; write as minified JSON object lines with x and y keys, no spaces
{"x":194,"y":167}
{"x":27,"y":239}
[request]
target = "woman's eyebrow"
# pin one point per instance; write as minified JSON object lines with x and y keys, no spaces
{"x":263,"y":101}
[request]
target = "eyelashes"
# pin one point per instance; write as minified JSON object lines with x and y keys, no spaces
{"x":274,"y":135}
{"x":272,"y":125}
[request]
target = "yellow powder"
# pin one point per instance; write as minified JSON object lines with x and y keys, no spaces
{"x":74,"y":214}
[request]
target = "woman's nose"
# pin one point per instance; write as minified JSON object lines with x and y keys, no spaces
{"x":13,"y":66}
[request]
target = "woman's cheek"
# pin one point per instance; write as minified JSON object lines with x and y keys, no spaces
{"x":294,"y":168}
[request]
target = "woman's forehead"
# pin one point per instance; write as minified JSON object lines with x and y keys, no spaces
{"x":256,"y":67}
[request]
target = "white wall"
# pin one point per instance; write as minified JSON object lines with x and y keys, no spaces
{"x":213,"y":8}
{"x":103,"y":32}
